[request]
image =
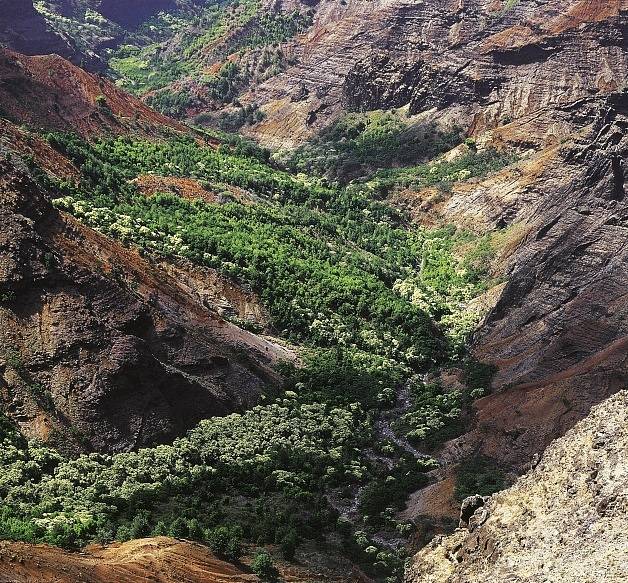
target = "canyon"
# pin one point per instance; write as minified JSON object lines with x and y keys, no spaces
{"x":135,"y":350}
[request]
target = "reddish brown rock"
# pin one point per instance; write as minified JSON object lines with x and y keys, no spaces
{"x":104,"y":350}
{"x":161,"y":560}
{"x":50,"y":93}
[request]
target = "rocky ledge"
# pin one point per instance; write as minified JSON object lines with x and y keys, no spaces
{"x":566,"y":520}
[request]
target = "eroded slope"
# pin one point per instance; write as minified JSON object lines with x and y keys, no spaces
{"x":129,"y":353}
{"x":566,"y":520}
{"x":48,"y":92}
{"x":160,"y":559}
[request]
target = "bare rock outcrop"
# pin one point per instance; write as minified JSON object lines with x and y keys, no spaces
{"x":558,"y":333}
{"x":565,"y":521}
{"x":487,"y":61}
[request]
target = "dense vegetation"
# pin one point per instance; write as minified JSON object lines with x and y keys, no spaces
{"x":285,"y":452}
{"x":372,"y":301}
{"x":202,"y":58}
{"x":442,"y":173}
{"x":193,"y":58}
{"x":361,"y":143}
{"x":325,"y":261}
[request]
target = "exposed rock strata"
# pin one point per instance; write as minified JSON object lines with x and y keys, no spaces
{"x":499,"y":60}
{"x":558,"y":334}
{"x":558,"y":331}
{"x":565,"y":521}
{"x":100,"y":348}
{"x":159,"y":560}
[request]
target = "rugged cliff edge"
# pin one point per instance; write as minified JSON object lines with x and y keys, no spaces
{"x":566,"y":520}
{"x":480,"y":62}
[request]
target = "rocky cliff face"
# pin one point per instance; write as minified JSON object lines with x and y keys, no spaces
{"x":557,"y":334}
{"x":566,"y":520}
{"x":488,"y":61}
{"x":307,"y":97}
{"x":131,"y":354}
{"x":505,"y":59}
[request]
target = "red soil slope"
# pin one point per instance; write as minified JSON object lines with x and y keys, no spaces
{"x":159,"y":560}
{"x":49,"y":92}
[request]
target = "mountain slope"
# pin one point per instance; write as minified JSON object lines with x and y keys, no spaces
{"x":129,"y":354}
{"x":540,"y":183}
{"x":557,"y":332}
{"x":48,"y":92}
{"x":566,"y":520}
{"x":487,"y":61}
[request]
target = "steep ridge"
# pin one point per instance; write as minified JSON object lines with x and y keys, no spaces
{"x":557,"y":333}
{"x":48,"y":92}
{"x":487,"y":61}
{"x":565,"y":520}
{"x":543,"y":78}
{"x":131,"y":355}
{"x":307,"y":97}
{"x":160,"y":559}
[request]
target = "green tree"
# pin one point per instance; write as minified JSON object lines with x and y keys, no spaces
{"x":226,"y":542}
{"x":179,"y":528}
{"x":195,"y":531}
{"x":160,"y":529}
{"x":140,"y":526}
{"x":124,"y":533}
{"x":264,"y":567}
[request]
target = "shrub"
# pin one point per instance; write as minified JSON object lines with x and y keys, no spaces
{"x":289,"y":544}
{"x":478,"y":375}
{"x":226,"y":542}
{"x":264,"y":567}
{"x":140,"y":526}
{"x":360,"y":143}
{"x":124,"y":533}
{"x":179,"y":528}
{"x":195,"y":531}
{"x":479,"y":475}
{"x":161,"y":529}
